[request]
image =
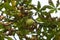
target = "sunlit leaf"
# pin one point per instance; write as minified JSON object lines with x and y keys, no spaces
{"x":13,"y":3}
{"x":38,"y":19}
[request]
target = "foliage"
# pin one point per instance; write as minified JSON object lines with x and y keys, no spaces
{"x":19,"y":15}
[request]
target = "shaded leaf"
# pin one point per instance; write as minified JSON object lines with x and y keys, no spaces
{"x":6,"y":5}
{"x":57,"y":36}
{"x":1,"y":38}
{"x":27,"y":2}
{"x":38,"y":5}
{"x":9,"y":38}
{"x":46,"y":6}
{"x":1,"y":6}
{"x":51,"y":3}
{"x":51,"y":11}
{"x":58,"y":8}
{"x":30,"y":1}
{"x":44,"y":13}
{"x":1,"y":26}
{"x":57,"y":3}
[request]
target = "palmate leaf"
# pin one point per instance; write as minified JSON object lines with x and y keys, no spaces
{"x":51,"y":3}
{"x":38,"y":5}
{"x":20,"y":22}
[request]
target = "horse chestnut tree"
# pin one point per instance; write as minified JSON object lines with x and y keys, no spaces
{"x":17,"y":18}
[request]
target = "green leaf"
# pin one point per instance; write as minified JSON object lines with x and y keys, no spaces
{"x":57,"y":3}
{"x":38,"y":5}
{"x":38,"y":19}
{"x":27,"y":2}
{"x":9,"y":38}
{"x":6,"y":5}
{"x":1,"y":26}
{"x":42,"y":17}
{"x":44,"y":13}
{"x":51,"y":3}
{"x":39,"y":31}
{"x":1,"y":38}
{"x":58,"y":8}
{"x":51,"y":11}
{"x":30,"y":1}
{"x":1,"y":6}
{"x":46,"y":6}
{"x":57,"y":36}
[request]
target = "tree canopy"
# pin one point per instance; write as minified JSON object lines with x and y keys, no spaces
{"x":17,"y":18}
